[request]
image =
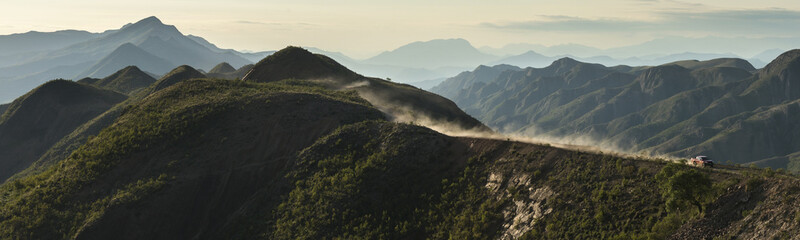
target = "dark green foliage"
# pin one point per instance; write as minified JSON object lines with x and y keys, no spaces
{"x":686,"y":188}
{"x":39,"y":119}
{"x":374,"y":188}
{"x":52,"y":205}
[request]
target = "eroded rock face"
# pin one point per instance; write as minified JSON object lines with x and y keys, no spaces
{"x":529,"y":203}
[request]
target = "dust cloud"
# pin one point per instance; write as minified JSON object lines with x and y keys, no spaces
{"x":406,"y":114}
{"x":574,"y":142}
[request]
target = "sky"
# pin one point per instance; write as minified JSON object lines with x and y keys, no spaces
{"x":362,"y":28}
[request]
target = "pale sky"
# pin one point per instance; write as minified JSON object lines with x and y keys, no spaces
{"x":362,"y":28}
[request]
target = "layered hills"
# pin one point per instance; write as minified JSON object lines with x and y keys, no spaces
{"x":127,"y":80}
{"x":304,"y":157}
{"x":718,"y":107}
{"x":128,"y":55}
{"x":400,"y":101}
{"x":226,"y":71}
{"x":149,"y":44}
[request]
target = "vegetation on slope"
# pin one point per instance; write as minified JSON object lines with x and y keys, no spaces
{"x":69,"y":198}
{"x":397,"y":184}
{"x":37,"y":120}
{"x":401,"y":101}
{"x":682,"y":109}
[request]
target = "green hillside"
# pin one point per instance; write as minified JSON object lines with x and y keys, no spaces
{"x":189,"y":157}
{"x":40,"y":118}
{"x":290,"y":159}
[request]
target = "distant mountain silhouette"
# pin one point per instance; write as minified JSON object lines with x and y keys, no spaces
{"x":767,"y":55}
{"x":88,"y":57}
{"x":255,"y":56}
{"x":527,"y":59}
{"x":433,"y":54}
{"x":126,"y":80}
{"x":128,"y":55}
{"x":37,"y":120}
{"x":40,"y":41}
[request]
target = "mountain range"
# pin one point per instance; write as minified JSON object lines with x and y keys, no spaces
{"x":723,"y":108}
{"x":303,"y":147}
{"x":29,"y":59}
{"x":148,"y":44}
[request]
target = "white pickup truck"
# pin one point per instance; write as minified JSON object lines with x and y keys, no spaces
{"x":702,"y":161}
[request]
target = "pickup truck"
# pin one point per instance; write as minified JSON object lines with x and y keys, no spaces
{"x":702,"y":161}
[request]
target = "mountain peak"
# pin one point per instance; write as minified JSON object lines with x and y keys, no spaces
{"x":148,"y":23}
{"x":150,"y":20}
{"x":223,"y":67}
{"x":565,"y":62}
{"x":298,"y":63}
{"x":179,"y":74}
{"x":433,"y":54}
{"x":126,"y":47}
{"x":126,"y":80}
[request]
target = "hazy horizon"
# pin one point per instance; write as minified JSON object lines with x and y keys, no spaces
{"x":365,"y":28}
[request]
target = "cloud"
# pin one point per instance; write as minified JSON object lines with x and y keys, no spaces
{"x":250,"y":22}
{"x":569,"y":24}
{"x":273,"y":23}
{"x":780,"y":22}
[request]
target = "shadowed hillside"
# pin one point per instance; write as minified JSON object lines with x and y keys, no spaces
{"x":37,"y":120}
{"x":71,"y":142}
